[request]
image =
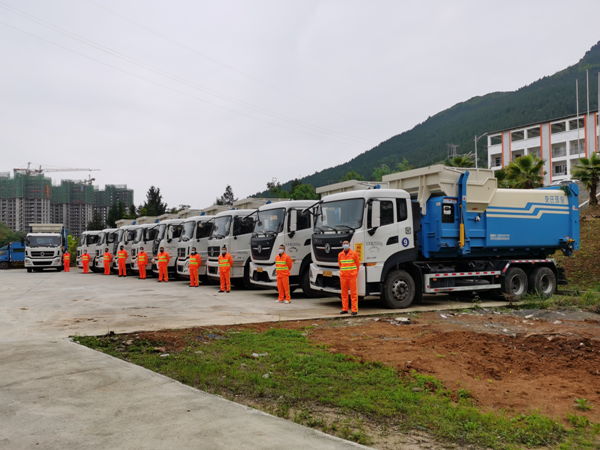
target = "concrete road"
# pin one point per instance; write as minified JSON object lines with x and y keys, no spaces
{"x":55,"y":394}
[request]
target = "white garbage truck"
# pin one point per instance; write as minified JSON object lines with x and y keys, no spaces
{"x":144,"y":238}
{"x":167,"y":236}
{"x":194,"y":233}
{"x":446,"y":230}
{"x":126,"y":237}
{"x":287,"y":223}
{"x":88,"y":242}
{"x":45,"y":246}
{"x":232,"y":229}
{"x":106,"y":240}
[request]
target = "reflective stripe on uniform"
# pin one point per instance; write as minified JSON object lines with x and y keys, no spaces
{"x":281,"y":265}
{"x":224,"y":263}
{"x":348,"y":266}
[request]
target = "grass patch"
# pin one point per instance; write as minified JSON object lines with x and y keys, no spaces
{"x":293,"y":377}
{"x":586,"y":301}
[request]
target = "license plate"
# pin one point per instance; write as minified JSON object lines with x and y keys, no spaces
{"x":327,"y":273}
{"x":259,"y":269}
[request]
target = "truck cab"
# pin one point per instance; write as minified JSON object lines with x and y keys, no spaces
{"x":167,"y":236}
{"x":195,"y":233}
{"x":144,"y":237}
{"x":12,"y":255}
{"x":288,"y":223}
{"x":45,"y":247}
{"x":125,"y":237}
{"x":106,"y":240}
{"x":88,"y":241}
{"x":232,"y":229}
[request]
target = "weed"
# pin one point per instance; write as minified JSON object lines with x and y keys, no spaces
{"x":578,"y":421}
{"x":583,"y":404}
{"x":464,"y":394}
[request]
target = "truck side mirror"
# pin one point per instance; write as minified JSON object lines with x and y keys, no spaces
{"x":22,"y":242}
{"x":293,"y":220}
{"x":376,"y":214}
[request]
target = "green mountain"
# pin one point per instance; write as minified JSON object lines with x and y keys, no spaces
{"x":550,"y":97}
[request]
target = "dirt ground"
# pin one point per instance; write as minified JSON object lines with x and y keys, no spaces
{"x":519,"y":361}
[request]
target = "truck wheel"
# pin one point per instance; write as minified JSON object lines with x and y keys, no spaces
{"x":59,"y":269}
{"x":515,"y":283}
{"x":3,"y":265}
{"x":247,"y":283}
{"x":398,"y":289}
{"x":29,"y":270}
{"x":305,"y":285}
{"x":542,"y":281}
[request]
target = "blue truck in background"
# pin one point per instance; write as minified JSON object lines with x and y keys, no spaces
{"x":12,"y":255}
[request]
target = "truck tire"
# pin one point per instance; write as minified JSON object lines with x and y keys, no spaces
{"x":3,"y":265}
{"x":515,"y":283}
{"x":542,"y":281}
{"x":305,"y":285}
{"x":398,"y":289}
{"x":247,"y":283}
{"x":29,"y":270}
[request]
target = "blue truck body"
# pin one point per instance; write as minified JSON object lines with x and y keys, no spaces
{"x":521,"y":224}
{"x":12,"y":255}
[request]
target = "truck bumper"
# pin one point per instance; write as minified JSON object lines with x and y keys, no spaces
{"x":43,"y":263}
{"x":213,"y":270}
{"x":265,"y":275}
{"x":327,"y":279}
{"x":183,"y":269}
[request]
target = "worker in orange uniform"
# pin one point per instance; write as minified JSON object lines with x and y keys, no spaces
{"x":194,"y":265}
{"x":349,"y":262}
{"x":122,"y":259}
{"x":163,"y":261}
{"x":283,"y":265}
{"x":225,"y":263}
{"x":67,"y":261}
{"x":142,"y":261}
{"x":85,"y":261}
{"x":107,"y":259}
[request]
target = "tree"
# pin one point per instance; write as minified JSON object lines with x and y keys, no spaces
{"x":587,"y":170}
{"x":275,"y":190}
{"x":381,"y":171}
{"x":403,"y":166}
{"x":116,"y":212}
{"x":525,"y":172}
{"x":96,"y":222}
{"x":466,"y":160}
{"x":352,"y":175}
{"x":7,"y":235}
{"x":132,"y":212}
{"x":227,"y":198}
{"x":72,"y":247}
{"x":304,"y":192}
{"x":294,"y":184}
{"x":153,"y":205}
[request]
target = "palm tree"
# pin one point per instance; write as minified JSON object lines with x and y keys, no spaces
{"x":587,"y":170}
{"x":525,"y":172}
{"x":461,"y":161}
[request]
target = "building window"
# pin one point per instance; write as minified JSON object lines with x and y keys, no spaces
{"x":577,"y":148}
{"x":497,"y":161}
{"x":516,"y":155}
{"x":517,"y":135}
{"x":573,"y":124}
{"x":496,"y":140}
{"x":558,"y":127}
{"x":559,"y":150}
{"x":560,"y":169}
{"x":533,"y":132}
{"x":535,"y":151}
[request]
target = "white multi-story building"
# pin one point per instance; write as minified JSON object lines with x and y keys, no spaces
{"x":559,"y":142}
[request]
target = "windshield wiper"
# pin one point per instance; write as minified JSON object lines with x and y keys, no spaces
{"x":349,"y":227}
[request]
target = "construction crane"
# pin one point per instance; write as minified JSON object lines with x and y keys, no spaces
{"x":40,"y":169}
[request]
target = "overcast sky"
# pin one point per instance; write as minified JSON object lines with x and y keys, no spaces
{"x":191,"y":96}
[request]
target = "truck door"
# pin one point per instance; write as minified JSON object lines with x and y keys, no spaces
{"x":385,"y":241}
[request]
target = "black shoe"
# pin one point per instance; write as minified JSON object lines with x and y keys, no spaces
{"x":159,"y":281}
{"x":120,"y":276}
{"x":353,"y":313}
{"x":228,"y":292}
{"x":344,"y":312}
{"x":192,"y":285}
{"x":220,"y":292}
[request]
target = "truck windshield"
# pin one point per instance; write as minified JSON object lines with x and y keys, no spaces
{"x":110,"y":237}
{"x":81,"y":242}
{"x":188,"y":231}
{"x":150,"y":234}
{"x":43,"y":241}
{"x":221,"y":227}
{"x":101,"y":238}
{"x":342,"y":215}
{"x":139,"y":234}
{"x":91,"y":239}
{"x":4,"y":251}
{"x":270,"y":222}
{"x":161,"y":232}
{"x":130,"y":236}
{"x":176,"y":231}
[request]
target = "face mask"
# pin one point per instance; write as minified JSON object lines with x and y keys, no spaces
{"x":346,"y":247}
{"x":162,"y":250}
{"x":193,"y":252}
{"x":141,"y":249}
{"x":281,"y":251}
{"x":223,"y":252}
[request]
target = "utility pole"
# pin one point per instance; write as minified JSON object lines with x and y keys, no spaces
{"x":451,"y":150}
{"x":577,"y":100}
{"x":477,"y":140}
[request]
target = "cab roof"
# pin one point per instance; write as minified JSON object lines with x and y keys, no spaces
{"x":367,"y":194}
{"x":300,"y":204}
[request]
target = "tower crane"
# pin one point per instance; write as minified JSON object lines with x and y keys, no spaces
{"x":33,"y":171}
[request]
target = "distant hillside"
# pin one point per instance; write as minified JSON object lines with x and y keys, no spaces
{"x":550,"y":97}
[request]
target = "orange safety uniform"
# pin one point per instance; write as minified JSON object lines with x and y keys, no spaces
{"x":107,"y":258}
{"x":225,"y":263}
{"x":142,"y":261}
{"x":67,"y":262}
{"x":122,"y":256}
{"x":194,"y":265}
{"x":85,"y":260}
{"x":349,"y":263}
{"x":283,"y":265}
{"x":163,"y":261}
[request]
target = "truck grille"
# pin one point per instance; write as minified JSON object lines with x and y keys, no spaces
{"x":261,"y":247}
{"x":181,"y":252}
{"x":328,"y":246}
{"x":47,"y":254}
{"x":213,"y":252}
{"x":42,"y":263}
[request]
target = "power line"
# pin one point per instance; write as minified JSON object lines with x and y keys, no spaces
{"x":233,"y":68}
{"x":180,"y":79}
{"x":173,"y":89}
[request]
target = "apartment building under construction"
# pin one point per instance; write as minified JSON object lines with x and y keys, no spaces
{"x":32,"y":198}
